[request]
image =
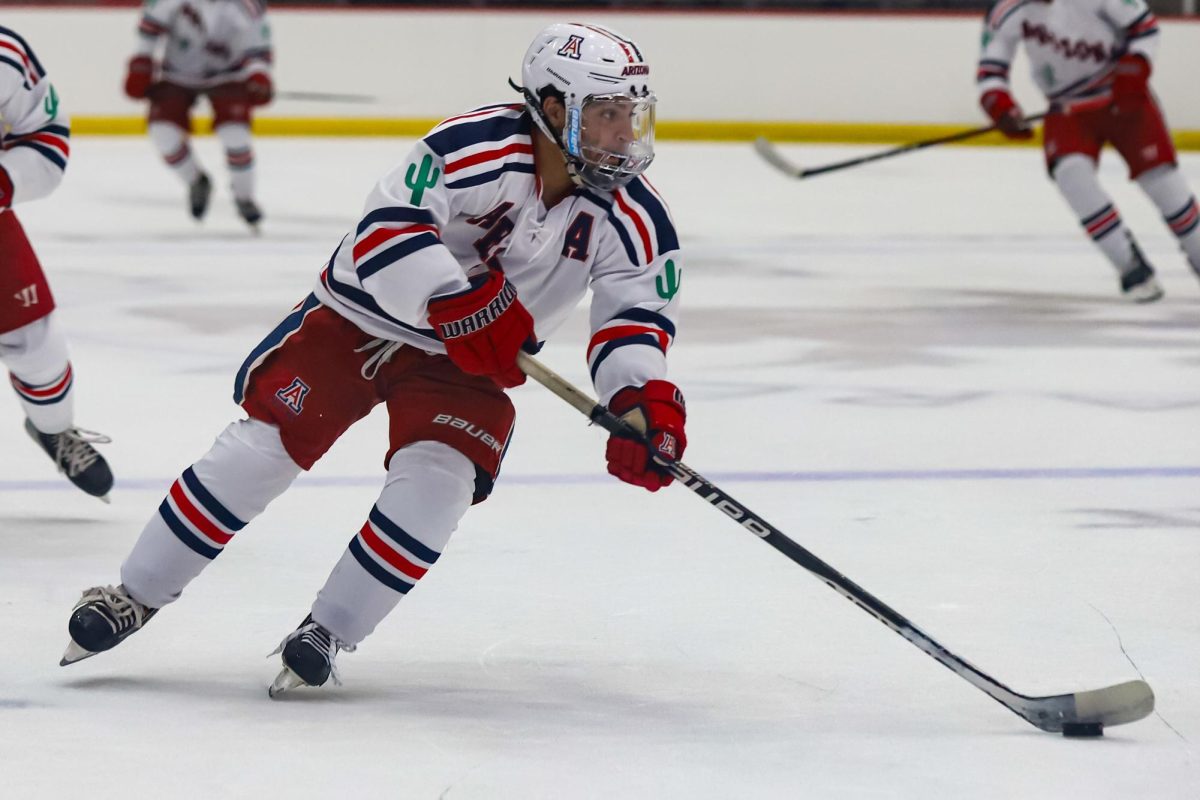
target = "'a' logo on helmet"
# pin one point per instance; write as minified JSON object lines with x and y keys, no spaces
{"x":571,"y":48}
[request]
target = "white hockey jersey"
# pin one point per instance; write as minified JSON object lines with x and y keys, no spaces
{"x":1072,"y":45}
{"x":467,"y":195}
{"x":208,"y":42}
{"x":34,"y":130}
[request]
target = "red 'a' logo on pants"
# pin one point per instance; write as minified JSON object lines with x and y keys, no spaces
{"x":293,"y":396}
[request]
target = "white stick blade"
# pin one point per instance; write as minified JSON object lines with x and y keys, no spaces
{"x":1115,"y":705}
{"x":772,"y":156}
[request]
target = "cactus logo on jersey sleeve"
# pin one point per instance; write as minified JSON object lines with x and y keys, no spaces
{"x":420,"y":180}
{"x":51,"y":103}
{"x":668,"y":283}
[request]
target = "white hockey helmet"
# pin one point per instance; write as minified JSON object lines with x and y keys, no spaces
{"x":604,"y":82}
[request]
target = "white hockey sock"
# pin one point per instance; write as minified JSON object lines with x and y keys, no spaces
{"x":1076,"y":179}
{"x":1167,"y":188}
{"x":173,"y":144}
{"x":429,"y":487}
{"x":216,"y":497}
{"x":239,"y":156}
{"x":41,"y":374}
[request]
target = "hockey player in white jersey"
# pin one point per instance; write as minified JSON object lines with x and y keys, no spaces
{"x":34,"y":148}
{"x":1093,"y":59}
{"x":478,"y":244}
{"x":215,"y":48}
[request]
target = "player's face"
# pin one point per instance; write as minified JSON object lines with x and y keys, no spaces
{"x":608,"y":126}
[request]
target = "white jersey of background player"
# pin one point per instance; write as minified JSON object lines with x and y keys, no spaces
{"x":1092,"y":60}
{"x":475,"y":247}
{"x":34,"y":148}
{"x":216,"y":48}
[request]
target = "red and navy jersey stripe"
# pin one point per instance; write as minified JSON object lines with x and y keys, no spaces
{"x":386,"y":235}
{"x":466,"y":130}
{"x":1143,"y":26}
{"x":362,"y":301}
{"x":197,"y":518}
{"x":991,"y":68}
{"x":496,"y":136}
{"x":643,"y":223}
{"x":51,"y":141}
{"x":390,"y":554}
{"x":151,"y":28}
{"x":629,"y":327}
{"x":1001,"y":11}
{"x":16,"y":53}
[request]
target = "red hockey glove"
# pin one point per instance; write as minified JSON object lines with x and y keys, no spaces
{"x":1130,"y":82}
{"x":1007,"y":115}
{"x":141,"y":74}
{"x":656,"y":408}
{"x":6,"y":190}
{"x":484,"y":328}
{"x":260,"y":89}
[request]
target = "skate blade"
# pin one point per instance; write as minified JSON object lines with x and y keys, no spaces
{"x":73,"y":654}
{"x":285,"y":681}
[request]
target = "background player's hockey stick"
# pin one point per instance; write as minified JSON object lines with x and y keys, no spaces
{"x":325,"y":97}
{"x":770,"y":153}
{"x":1078,"y":713}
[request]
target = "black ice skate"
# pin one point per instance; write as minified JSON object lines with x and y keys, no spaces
{"x":102,"y":619}
{"x":1139,"y":283}
{"x":198,"y":194}
{"x":72,"y":451}
{"x":308,"y":658}
{"x":250,"y":212}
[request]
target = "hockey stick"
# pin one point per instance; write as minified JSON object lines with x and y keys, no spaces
{"x":770,"y":153}
{"x":326,"y":97}
{"x":1112,"y":705}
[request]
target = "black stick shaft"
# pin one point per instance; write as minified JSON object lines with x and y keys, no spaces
{"x":758,"y":526}
{"x":905,"y":148}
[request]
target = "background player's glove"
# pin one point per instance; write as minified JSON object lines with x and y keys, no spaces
{"x":260,"y":89}
{"x":484,"y":328}
{"x":1130,"y":77}
{"x":139,"y":77}
{"x":656,"y":408}
{"x":6,"y":190}
{"x":1007,"y":115}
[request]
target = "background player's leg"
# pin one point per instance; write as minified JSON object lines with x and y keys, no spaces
{"x":40,"y":372}
{"x":429,"y":487}
{"x":1167,"y":188}
{"x":239,"y":156}
{"x":212,"y":500}
{"x":170,"y":126}
{"x":1075,"y":176}
{"x":231,"y":120}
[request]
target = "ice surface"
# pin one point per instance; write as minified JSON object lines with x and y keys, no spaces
{"x":919,"y":369}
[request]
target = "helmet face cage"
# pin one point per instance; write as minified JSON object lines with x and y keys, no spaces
{"x":610,"y":138}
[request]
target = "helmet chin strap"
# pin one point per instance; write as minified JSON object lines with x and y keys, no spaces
{"x":548,"y":128}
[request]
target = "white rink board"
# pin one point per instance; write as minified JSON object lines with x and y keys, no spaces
{"x":919,"y":370}
{"x":763,"y":67}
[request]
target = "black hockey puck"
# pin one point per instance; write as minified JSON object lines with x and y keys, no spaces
{"x":1083,"y":729}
